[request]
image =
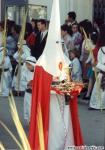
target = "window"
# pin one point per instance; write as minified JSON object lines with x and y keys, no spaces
{"x":16,"y":13}
{"x":37,"y":12}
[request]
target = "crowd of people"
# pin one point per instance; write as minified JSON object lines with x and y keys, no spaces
{"x":83,"y":43}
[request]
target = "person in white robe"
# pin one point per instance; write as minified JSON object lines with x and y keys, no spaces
{"x":97,"y":100}
{"x":17,"y":83}
{"x":60,"y":127}
{"x":5,"y":75}
{"x":27,"y":77}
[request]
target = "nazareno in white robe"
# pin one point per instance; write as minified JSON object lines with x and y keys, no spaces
{"x":27,"y":76}
{"x":20,"y":86}
{"x":97,"y":100}
{"x":60,"y":124}
{"x":6,"y":79}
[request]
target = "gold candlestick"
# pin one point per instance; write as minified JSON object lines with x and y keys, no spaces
{"x":68,"y":73}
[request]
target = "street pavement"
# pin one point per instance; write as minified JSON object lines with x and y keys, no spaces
{"x":92,"y":124}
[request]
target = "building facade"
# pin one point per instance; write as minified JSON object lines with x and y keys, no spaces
{"x":85,"y":9}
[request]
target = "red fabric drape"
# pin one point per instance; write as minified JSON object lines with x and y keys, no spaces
{"x":41,"y":93}
{"x":78,"y":140}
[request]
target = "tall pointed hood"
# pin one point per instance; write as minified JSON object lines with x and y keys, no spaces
{"x":53,"y":54}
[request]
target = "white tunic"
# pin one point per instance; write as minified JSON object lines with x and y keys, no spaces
{"x":5,"y":83}
{"x":60,"y":124}
{"x":17,"y":83}
{"x":97,"y":100}
{"x":26,"y":78}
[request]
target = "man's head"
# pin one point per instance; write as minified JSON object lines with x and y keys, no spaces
{"x":41,"y":24}
{"x":71,"y":16}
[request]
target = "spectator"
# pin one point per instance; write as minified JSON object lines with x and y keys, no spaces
{"x":40,"y":38}
{"x":30,"y":37}
{"x":15,"y":30}
{"x":71,"y":18}
{"x":11,"y":43}
{"x":34,"y":26}
{"x":90,"y":61}
{"x":76,"y":72}
{"x":87,"y":26}
{"x":67,"y":39}
{"x":76,"y":36}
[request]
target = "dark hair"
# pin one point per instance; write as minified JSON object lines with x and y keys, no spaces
{"x":17,"y":28}
{"x":34,"y":20}
{"x":75,"y":23}
{"x":101,"y":39}
{"x":87,"y":25}
{"x":72,"y":15}
{"x":28,"y":30}
{"x":10,"y":24}
{"x":94,"y":37}
{"x":66,"y":28}
{"x":42,"y":21}
{"x":75,"y":52}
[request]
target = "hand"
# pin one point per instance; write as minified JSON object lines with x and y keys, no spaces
{"x":94,"y":64}
{"x":29,"y":85}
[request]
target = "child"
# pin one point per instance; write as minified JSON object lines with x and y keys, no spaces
{"x":17,"y":84}
{"x":27,"y":78}
{"x":5,"y":73}
{"x":76,"y":71}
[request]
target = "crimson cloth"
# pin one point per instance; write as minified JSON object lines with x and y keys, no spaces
{"x":31,"y":39}
{"x":78,"y":139}
{"x":95,"y":52}
{"x":41,"y":93}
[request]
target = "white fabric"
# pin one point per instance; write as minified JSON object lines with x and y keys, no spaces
{"x":6,"y":78}
{"x":26,"y":78}
{"x":76,"y":72}
{"x":60,"y":125}
{"x":53,"y":54}
{"x":27,"y":106}
{"x":19,"y":85}
{"x":101,"y":59}
{"x":97,"y":100}
{"x":26,"y":53}
{"x":31,"y":60}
